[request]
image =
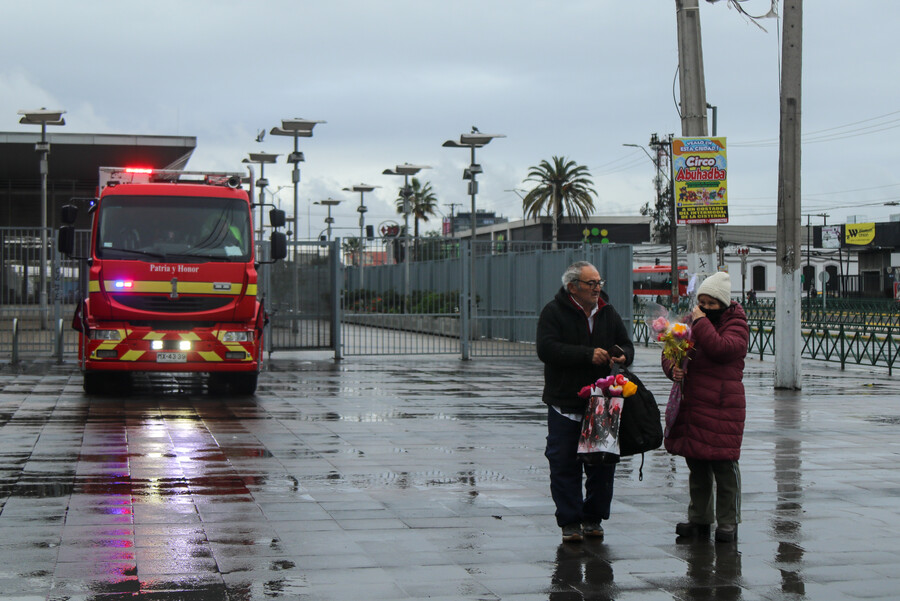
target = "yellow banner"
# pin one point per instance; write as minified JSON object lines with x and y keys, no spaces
{"x":859,"y":233}
{"x":701,"y":175}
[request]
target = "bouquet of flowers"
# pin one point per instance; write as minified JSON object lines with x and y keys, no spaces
{"x":599,"y":440}
{"x":675,"y":337}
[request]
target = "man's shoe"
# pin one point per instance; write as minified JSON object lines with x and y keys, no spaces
{"x":571,"y":533}
{"x":726,"y":533}
{"x":593,"y":530}
{"x":692,"y":530}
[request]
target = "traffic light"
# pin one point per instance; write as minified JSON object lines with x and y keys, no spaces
{"x":370,"y":232}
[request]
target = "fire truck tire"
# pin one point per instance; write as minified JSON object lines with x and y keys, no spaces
{"x":244,"y":384}
{"x":93,"y":383}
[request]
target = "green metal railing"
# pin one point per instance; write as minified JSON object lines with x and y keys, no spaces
{"x":846,"y":332}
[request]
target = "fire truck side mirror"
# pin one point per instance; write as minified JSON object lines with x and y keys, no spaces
{"x":66,"y":240}
{"x":69,"y":214}
{"x":277,"y":218}
{"x":278,"y":246}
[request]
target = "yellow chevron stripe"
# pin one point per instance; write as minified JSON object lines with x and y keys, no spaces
{"x":209,"y":356}
{"x":154,"y":336}
{"x":188,"y":336}
{"x":93,"y":286}
{"x":132,"y":355}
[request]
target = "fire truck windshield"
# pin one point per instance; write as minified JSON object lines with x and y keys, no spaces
{"x":183,"y":229}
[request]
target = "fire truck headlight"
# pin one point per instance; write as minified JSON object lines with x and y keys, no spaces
{"x":184,"y":345}
{"x":156,"y":345}
{"x":238,"y":337}
{"x":105,"y":335}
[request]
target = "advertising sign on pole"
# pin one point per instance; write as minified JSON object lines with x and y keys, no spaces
{"x":701,"y":171}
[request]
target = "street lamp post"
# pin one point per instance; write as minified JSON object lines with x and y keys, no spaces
{"x":405,"y":170}
{"x":362,"y":189}
{"x":43,"y":117}
{"x":474,"y":139}
{"x":329,"y":202}
{"x":262,"y":159}
{"x":296,"y":128}
{"x":518,"y":192}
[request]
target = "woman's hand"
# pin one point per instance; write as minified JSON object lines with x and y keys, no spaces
{"x":677,"y":374}
{"x":697,"y":313}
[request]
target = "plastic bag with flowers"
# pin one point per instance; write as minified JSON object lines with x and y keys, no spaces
{"x":674,"y":334}
{"x":599,"y":440}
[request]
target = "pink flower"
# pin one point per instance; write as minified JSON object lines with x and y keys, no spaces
{"x":660,"y":324}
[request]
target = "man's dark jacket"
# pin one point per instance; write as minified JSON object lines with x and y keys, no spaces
{"x":566,"y":346}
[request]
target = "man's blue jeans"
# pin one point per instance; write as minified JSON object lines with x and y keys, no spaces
{"x":573,"y":506}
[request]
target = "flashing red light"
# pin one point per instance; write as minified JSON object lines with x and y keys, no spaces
{"x":124,"y":284}
{"x":138,"y":170}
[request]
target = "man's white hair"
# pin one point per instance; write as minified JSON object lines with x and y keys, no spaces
{"x":573,"y":272}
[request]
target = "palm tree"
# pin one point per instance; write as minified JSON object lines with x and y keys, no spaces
{"x":563,"y":187}
{"x":422,"y":203}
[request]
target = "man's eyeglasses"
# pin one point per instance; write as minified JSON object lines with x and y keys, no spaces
{"x":593,"y":283}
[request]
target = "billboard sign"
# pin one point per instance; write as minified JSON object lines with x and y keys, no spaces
{"x":701,"y":173}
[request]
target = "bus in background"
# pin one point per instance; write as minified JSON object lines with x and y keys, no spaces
{"x":656,"y":280}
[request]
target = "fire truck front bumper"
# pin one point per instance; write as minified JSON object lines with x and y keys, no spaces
{"x":144,"y":349}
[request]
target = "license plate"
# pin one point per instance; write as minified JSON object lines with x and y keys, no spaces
{"x":171,"y":357}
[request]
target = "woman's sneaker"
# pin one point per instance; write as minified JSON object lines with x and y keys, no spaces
{"x":726,"y":533}
{"x":692,"y":530}
{"x":571,"y":533}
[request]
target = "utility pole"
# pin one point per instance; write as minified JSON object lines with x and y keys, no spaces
{"x":701,"y":238}
{"x":453,"y":206}
{"x":662,"y":147}
{"x":788,"y":344}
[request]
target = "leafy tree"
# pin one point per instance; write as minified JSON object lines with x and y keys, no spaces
{"x":422,"y":203}
{"x":562,"y":187}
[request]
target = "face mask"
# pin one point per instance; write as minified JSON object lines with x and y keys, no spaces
{"x":713,"y":314}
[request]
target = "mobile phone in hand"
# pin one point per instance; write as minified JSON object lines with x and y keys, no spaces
{"x":616,"y":351}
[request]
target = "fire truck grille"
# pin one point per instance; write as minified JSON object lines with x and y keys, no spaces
{"x":165,"y":304}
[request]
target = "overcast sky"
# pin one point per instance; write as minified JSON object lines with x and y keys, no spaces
{"x":394,"y":79}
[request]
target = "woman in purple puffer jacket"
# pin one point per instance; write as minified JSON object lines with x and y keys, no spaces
{"x":710,"y":424}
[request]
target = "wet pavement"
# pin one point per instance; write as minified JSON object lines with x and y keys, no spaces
{"x":422,"y":477}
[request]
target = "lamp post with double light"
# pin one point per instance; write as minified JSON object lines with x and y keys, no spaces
{"x":329,"y":202}
{"x":262,"y":159}
{"x":361,"y":209}
{"x":474,"y":139}
{"x":405,"y":170}
{"x":43,"y":117}
{"x":296,"y":129}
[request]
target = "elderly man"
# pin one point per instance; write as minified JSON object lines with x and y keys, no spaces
{"x":579,"y":337}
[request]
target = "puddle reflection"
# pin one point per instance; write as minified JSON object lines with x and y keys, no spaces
{"x":789,"y":488}
{"x":713,"y":571}
{"x":582,"y":571}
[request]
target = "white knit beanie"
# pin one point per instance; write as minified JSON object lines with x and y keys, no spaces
{"x":718,"y":286}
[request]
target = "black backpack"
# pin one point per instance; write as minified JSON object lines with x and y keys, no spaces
{"x":640,"y":428}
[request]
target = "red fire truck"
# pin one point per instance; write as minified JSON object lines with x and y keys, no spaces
{"x":171,"y":280}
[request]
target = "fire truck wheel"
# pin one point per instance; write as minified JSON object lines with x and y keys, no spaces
{"x":93,"y":383}
{"x":244,"y":384}
{"x":217,"y":384}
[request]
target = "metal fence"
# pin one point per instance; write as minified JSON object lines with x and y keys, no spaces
{"x":424,"y":305}
{"x":28,"y":327}
{"x":847,"y":333}
{"x":302,"y":298}
{"x":368,"y":299}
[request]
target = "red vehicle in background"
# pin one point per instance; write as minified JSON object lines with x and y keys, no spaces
{"x":171,"y":278}
{"x":656,"y":280}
